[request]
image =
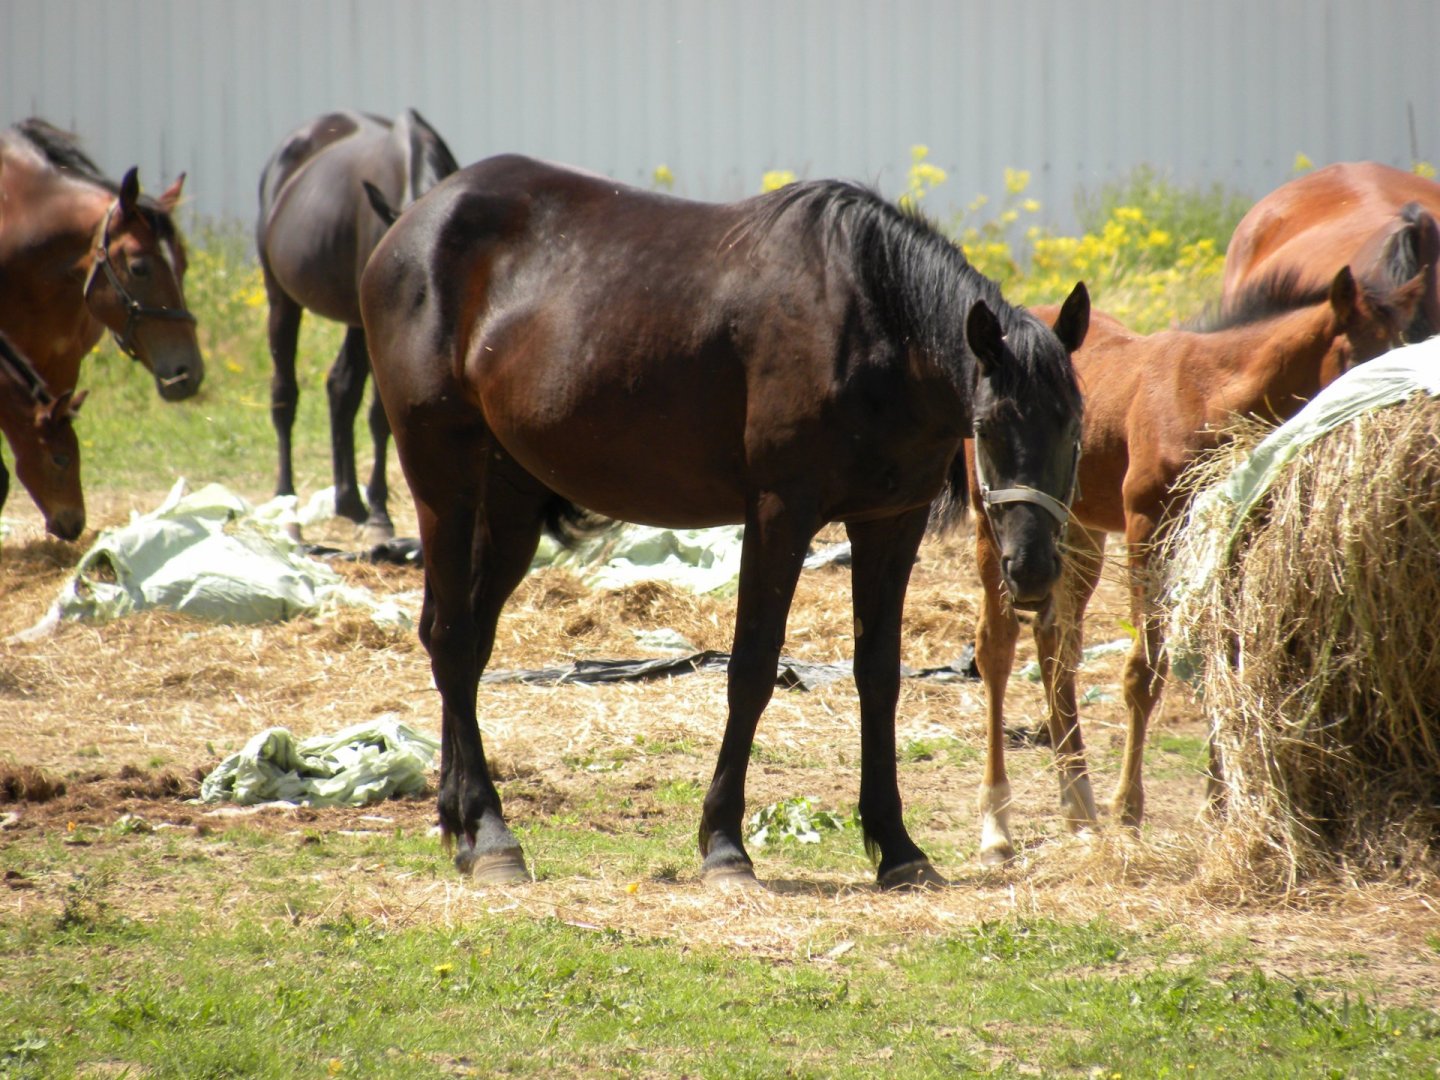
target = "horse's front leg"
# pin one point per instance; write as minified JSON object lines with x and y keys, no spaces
{"x":282,"y":331}
{"x":995,"y":635}
{"x":1058,"y":638}
{"x":777,"y":534}
{"x":882,"y":554}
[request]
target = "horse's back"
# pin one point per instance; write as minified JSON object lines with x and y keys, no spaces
{"x":316,"y":228}
{"x":639,"y":353}
{"x":1317,"y":223}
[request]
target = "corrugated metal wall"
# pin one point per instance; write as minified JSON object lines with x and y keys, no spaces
{"x":1077,"y":91}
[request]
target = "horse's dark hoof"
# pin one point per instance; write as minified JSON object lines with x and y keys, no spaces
{"x":919,"y":874}
{"x":504,"y":867}
{"x":730,"y":876}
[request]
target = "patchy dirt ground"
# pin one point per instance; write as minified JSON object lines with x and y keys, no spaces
{"x":101,"y":721}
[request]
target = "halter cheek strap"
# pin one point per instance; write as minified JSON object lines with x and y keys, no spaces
{"x":1060,"y":511}
{"x":134,"y":309}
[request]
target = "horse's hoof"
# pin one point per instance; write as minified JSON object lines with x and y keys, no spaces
{"x":373,"y":534}
{"x":920,"y":874}
{"x":505,"y":867}
{"x":997,"y":857}
{"x":730,"y":877}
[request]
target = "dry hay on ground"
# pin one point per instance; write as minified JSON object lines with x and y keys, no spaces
{"x":1320,"y":650}
{"x":128,"y":714}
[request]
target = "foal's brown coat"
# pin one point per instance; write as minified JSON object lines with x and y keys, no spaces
{"x":1151,"y":404}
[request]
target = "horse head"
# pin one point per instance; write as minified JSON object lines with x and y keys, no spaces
{"x":1370,"y":319}
{"x":48,"y":463}
{"x":135,"y":287}
{"x":1027,"y":438}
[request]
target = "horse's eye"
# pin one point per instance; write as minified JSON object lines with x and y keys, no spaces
{"x":61,"y":461}
{"x":140,"y":267}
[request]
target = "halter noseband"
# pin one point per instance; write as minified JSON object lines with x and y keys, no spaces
{"x":134,"y":309}
{"x":1057,"y":509}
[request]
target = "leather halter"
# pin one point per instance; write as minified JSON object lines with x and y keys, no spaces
{"x":134,"y":309}
{"x":1056,"y":508}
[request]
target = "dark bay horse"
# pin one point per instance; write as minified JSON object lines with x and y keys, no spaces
{"x":39,"y":426}
{"x":1379,"y":221}
{"x":1151,"y":404}
{"x":315,"y":232}
{"x":544,"y":337}
{"x":80,"y":254}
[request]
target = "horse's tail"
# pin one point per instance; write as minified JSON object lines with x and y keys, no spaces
{"x":570,"y":524}
{"x":948,"y":509}
{"x":387,"y":213}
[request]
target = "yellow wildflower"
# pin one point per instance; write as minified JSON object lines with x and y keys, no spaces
{"x":1302,"y":163}
{"x":775,"y":179}
{"x":1017,"y":180}
{"x":663,"y":177}
{"x":1425,"y":169}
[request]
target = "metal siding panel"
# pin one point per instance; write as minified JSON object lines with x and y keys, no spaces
{"x":1078,"y":92}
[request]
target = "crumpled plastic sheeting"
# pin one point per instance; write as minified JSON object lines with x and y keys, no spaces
{"x":362,"y":764}
{"x":701,"y":560}
{"x":205,"y":554}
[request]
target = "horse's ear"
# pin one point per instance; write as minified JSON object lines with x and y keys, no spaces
{"x":72,"y":400}
{"x":984,"y":336}
{"x":130,"y":190}
{"x":171,"y":196}
{"x":1073,"y":321}
{"x":1343,"y":294}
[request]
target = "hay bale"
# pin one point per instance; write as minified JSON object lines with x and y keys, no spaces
{"x":1319,"y":655}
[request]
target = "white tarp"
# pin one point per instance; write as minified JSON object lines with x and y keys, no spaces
{"x":362,"y":764}
{"x":206,"y":554}
{"x":701,"y":560}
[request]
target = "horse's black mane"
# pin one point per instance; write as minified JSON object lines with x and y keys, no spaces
{"x":62,"y":150}
{"x":921,"y":282}
{"x":923,"y":287}
{"x":23,"y":372}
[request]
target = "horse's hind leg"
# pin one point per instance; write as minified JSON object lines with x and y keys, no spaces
{"x":883,"y":552}
{"x":1059,"y":634}
{"x":345,"y":387}
{"x":479,"y":538}
{"x":1145,"y":670}
{"x":776,"y":538}
{"x":283,"y":331}
{"x":378,"y":526}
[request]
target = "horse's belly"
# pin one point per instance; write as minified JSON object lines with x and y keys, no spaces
{"x":658,"y":481}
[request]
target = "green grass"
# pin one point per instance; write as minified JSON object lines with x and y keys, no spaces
{"x":287,"y":977}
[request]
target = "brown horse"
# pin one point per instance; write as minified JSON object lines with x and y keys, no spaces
{"x":314,"y":234}
{"x":80,"y":254}
{"x":544,"y":337}
{"x":1151,"y":404}
{"x":1378,"y":220}
{"x":40,"y":430}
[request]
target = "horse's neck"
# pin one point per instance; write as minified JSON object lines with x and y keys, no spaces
{"x":1269,"y":369}
{"x":47,"y":241}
